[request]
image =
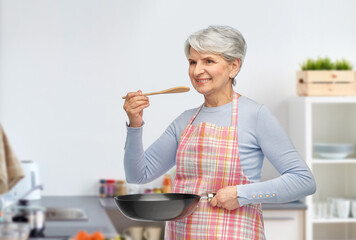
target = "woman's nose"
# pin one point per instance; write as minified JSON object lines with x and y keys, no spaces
{"x":199,"y":69}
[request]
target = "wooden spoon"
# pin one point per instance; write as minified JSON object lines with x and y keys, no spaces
{"x":169,"y":90}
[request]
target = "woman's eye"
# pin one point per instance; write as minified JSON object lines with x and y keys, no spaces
{"x":192,"y":62}
{"x":209,"y":61}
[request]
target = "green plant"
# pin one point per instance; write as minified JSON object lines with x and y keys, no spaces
{"x":308,"y":65}
{"x":325,"y":64}
{"x":343,"y":65}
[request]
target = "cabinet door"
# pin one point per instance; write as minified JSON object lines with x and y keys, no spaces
{"x":284,"y":224}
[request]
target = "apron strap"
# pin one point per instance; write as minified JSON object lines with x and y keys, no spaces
{"x":234,"y":110}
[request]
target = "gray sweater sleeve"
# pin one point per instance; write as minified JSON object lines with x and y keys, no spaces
{"x":145,"y":166}
{"x":296,"y":180}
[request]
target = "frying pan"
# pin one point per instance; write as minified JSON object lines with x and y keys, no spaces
{"x":159,"y":206}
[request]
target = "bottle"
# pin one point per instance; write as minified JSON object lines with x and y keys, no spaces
{"x":1,"y":207}
{"x":121,"y":187}
{"x":167,"y":184}
{"x":102,"y":188}
{"x":110,"y":188}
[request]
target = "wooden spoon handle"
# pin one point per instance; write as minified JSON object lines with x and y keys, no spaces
{"x":170,"y":90}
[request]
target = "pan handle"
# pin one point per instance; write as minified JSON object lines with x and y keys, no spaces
{"x":207,"y":196}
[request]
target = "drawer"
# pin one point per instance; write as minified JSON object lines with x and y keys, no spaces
{"x":284,"y":224}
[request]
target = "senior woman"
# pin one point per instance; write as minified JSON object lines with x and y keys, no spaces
{"x":218,"y":147}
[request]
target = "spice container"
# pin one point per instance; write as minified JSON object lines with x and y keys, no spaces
{"x":148,"y":190}
{"x":121,"y":187}
{"x":2,"y":201}
{"x":102,"y":188}
{"x":110,"y":188}
{"x":157,"y":190}
{"x":167,"y":184}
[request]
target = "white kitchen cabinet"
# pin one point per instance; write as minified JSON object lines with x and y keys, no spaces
{"x":330,"y":120}
{"x":284,"y":224}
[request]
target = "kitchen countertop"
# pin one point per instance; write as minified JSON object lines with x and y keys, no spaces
{"x":296,"y":205}
{"x":97,"y":217}
{"x":109,"y":203}
{"x":98,"y":220}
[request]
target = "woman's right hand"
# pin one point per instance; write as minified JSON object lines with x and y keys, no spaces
{"x":134,"y":104}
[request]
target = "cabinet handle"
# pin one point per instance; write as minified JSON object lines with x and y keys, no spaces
{"x":278,"y":218}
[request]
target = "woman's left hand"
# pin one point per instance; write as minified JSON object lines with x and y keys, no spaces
{"x":226,"y":198}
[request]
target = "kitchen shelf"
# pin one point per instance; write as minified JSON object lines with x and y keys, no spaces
{"x":334,"y":220}
{"x":329,"y":120}
{"x":333,"y":99}
{"x":334,"y":161}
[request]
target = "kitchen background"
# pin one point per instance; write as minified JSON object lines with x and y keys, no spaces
{"x":64,"y":66}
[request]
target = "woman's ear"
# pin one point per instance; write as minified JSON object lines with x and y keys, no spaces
{"x":235,"y":68}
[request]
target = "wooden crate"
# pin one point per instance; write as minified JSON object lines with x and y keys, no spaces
{"x":326,"y":83}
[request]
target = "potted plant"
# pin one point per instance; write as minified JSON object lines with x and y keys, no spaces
{"x":323,"y":77}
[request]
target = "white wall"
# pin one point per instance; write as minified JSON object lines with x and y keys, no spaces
{"x":66,"y":64}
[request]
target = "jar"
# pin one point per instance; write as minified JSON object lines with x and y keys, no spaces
{"x":157,"y":190}
{"x":27,"y":216}
{"x":14,"y":231}
{"x":110,"y":188}
{"x":102,"y":188}
{"x":121,"y":187}
{"x":167,"y":184}
{"x":148,"y":190}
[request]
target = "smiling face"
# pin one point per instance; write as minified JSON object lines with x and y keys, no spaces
{"x":211,"y":75}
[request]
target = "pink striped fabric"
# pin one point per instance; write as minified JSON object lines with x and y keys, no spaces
{"x":208,"y":160}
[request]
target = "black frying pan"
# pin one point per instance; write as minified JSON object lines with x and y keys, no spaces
{"x":159,"y":206}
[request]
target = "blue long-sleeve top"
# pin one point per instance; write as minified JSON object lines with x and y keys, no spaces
{"x":259,"y":135}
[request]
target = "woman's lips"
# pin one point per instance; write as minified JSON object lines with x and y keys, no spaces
{"x":202,"y":80}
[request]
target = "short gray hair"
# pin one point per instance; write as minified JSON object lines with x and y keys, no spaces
{"x":222,"y":40}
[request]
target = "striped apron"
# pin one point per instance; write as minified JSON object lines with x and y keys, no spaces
{"x":208,"y":160}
